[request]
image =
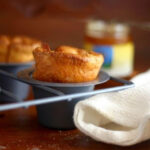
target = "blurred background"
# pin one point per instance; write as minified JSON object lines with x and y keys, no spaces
{"x":63,"y":21}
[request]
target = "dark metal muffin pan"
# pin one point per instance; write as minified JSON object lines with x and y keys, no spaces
{"x":11,"y":96}
{"x":15,"y":87}
{"x":55,"y":101}
{"x":59,"y":114}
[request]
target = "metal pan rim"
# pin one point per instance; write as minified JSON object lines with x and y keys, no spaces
{"x":26,"y":74}
{"x":16,"y":64}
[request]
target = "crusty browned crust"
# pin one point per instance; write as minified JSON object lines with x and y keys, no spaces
{"x":66,"y":64}
{"x":17,"y":49}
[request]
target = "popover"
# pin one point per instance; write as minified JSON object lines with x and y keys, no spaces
{"x":66,"y":64}
{"x":17,"y":49}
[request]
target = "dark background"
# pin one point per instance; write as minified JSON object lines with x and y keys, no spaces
{"x":63,"y":21}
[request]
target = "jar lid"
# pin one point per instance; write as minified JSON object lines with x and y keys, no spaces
{"x":99,"y":28}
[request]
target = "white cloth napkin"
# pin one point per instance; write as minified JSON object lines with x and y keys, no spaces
{"x":120,"y":118}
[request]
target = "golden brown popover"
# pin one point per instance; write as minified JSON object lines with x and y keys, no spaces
{"x":66,"y":64}
{"x":4,"y":43}
{"x":17,"y":49}
{"x":21,"y":49}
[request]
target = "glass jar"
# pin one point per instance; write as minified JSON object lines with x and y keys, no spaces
{"x":115,"y":43}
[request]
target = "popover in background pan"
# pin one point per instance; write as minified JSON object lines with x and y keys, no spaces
{"x":17,"y":49}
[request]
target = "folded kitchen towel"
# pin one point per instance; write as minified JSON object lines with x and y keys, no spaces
{"x":120,"y":118}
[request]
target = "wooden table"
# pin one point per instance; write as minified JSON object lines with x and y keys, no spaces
{"x":20,"y":130}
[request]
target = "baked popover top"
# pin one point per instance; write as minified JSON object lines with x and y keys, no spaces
{"x":66,"y":64}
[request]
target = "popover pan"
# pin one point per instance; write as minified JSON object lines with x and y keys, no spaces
{"x":15,"y":87}
{"x":54,"y":107}
{"x":6,"y":93}
{"x":58,"y":115}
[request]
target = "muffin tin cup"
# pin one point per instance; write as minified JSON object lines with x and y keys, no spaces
{"x":59,"y":115}
{"x":15,"y":87}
